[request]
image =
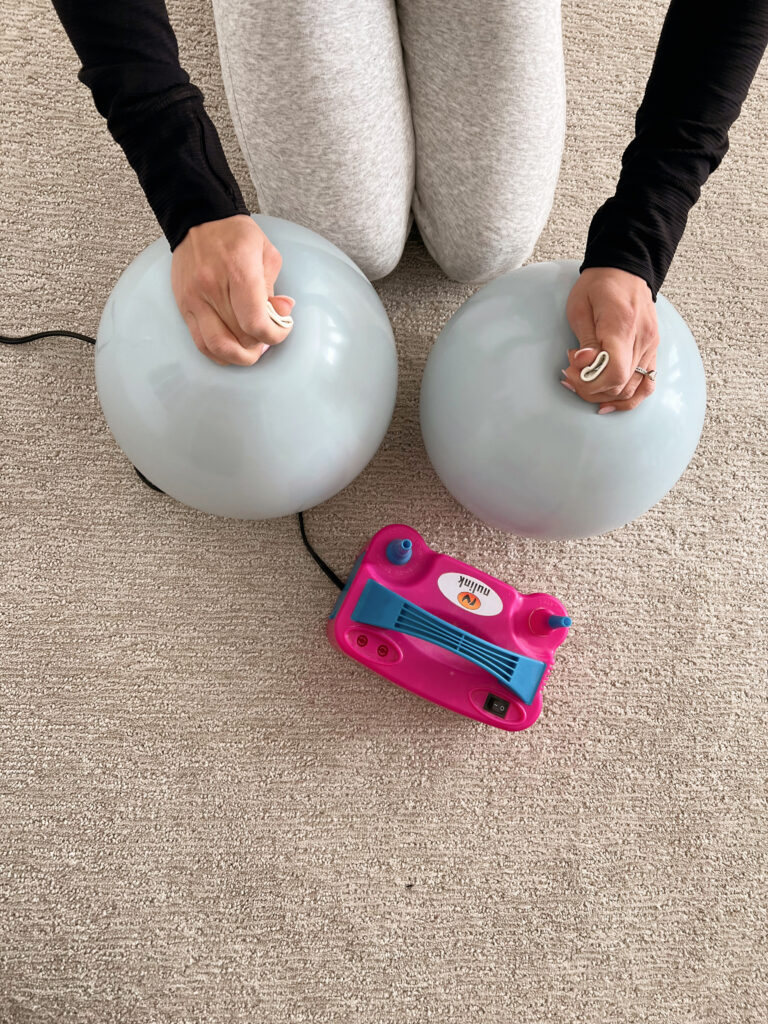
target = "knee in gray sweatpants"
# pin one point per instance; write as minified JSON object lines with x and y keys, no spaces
{"x":476,"y":250}
{"x":319,"y":101}
{"x":487,"y":95}
{"x":373,"y":236}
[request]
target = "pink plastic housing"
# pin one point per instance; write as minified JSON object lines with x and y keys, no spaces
{"x":460,"y":596}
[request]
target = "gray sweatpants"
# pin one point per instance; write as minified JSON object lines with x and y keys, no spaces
{"x":357,"y":116}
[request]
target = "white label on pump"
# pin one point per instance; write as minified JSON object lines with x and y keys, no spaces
{"x":468,"y":593}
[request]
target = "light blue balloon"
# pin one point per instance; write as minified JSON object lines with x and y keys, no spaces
{"x":524,"y":454}
{"x":250,"y":442}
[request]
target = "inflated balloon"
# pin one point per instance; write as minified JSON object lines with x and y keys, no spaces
{"x":524,"y":454}
{"x":250,"y":442}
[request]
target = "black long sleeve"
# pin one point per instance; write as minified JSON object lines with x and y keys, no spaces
{"x":130,"y":62}
{"x":706,"y":59}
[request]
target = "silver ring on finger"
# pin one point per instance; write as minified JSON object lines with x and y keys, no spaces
{"x":651,"y":374}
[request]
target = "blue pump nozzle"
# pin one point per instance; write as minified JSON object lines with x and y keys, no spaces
{"x":399,"y":551}
{"x":558,"y":621}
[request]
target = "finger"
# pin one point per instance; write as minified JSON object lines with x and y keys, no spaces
{"x":591,"y":391}
{"x":627,"y":391}
{"x":242,"y":305}
{"x":220,"y":342}
{"x":582,"y":320}
{"x":583,"y":325}
{"x":282,"y":304}
{"x":616,"y":334}
{"x":191,"y":321}
{"x":271,"y":264}
{"x":645,"y":387}
{"x":248,"y":296}
{"x":643,"y":356}
{"x":237,"y":324}
{"x":580,"y":359}
{"x":580,"y":385}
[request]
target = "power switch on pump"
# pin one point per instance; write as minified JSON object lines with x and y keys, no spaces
{"x":496,"y":705}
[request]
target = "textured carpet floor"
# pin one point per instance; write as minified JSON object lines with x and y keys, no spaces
{"x":208,"y":814}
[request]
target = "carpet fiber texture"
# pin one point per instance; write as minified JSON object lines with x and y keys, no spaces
{"x":209,"y":814}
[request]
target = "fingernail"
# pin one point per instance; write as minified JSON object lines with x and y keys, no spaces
{"x":606,"y":408}
{"x":586,"y":351}
{"x":263,"y":348}
{"x":567,"y":384}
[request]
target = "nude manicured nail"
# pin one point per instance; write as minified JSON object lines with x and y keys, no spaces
{"x":567,"y":384}
{"x":606,"y":408}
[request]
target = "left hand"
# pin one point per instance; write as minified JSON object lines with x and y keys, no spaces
{"x":612,"y":309}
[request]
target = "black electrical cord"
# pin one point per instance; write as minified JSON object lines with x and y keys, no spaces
{"x":8,"y":340}
{"x":323,"y":565}
{"x":326,"y":568}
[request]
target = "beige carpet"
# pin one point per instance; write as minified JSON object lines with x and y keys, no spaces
{"x":210,"y":815}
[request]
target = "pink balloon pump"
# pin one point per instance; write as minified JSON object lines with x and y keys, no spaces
{"x":448,"y":631}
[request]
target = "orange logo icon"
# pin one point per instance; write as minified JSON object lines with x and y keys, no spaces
{"x":469,"y":600}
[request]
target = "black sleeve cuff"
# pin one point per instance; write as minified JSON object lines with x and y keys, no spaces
{"x":176,"y":152}
{"x":613,"y":241}
{"x":638,"y":233}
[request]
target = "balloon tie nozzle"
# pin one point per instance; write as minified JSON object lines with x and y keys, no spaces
{"x":559,"y":621}
{"x":399,"y":551}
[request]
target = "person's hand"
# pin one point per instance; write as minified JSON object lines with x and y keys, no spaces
{"x":612,"y":309}
{"x":222,"y":274}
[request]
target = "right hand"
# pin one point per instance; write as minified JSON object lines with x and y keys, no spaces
{"x":612,"y":310}
{"x":222,"y":274}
